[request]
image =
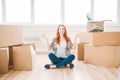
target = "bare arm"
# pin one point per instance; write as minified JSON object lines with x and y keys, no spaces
{"x":48,"y":46}
{"x":74,"y":44}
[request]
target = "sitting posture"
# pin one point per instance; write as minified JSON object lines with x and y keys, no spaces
{"x":61,"y":46}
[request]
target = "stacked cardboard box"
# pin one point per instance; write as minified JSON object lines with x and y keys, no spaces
{"x":10,"y":57}
{"x":85,"y":37}
{"x":101,"y":38}
{"x":10,"y":35}
{"x":30,"y":44}
{"x":20,"y":54}
{"x":23,"y":57}
{"x":94,"y":25}
{"x":80,"y":51}
{"x":103,"y":49}
{"x":102,"y":55}
{"x":4,"y":60}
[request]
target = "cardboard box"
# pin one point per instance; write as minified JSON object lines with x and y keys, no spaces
{"x":11,"y":52}
{"x":80,"y":51}
{"x":102,"y":55}
{"x":10,"y":57}
{"x":23,"y":57}
{"x":30,"y":44}
{"x":106,"y":38}
{"x":85,"y":37}
{"x":101,"y":38}
{"x":95,"y":24}
{"x":4,"y":60}
{"x":10,"y":35}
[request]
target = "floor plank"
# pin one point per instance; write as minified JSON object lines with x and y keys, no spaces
{"x":81,"y":71}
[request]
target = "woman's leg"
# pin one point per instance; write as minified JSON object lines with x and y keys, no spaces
{"x":54,"y":59}
{"x":67,"y":60}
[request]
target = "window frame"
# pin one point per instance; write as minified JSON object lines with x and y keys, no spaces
{"x":1,"y":11}
{"x":62,"y":11}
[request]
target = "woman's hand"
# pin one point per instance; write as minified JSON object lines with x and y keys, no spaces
{"x":75,"y":38}
{"x":44,"y":36}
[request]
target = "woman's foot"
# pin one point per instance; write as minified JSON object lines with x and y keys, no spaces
{"x":70,"y":65}
{"x":50,"y":66}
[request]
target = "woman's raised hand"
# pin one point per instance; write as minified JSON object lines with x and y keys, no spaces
{"x":44,"y":36}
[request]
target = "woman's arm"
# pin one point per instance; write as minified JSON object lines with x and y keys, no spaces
{"x":48,"y":46}
{"x":74,"y":44}
{"x":70,"y":44}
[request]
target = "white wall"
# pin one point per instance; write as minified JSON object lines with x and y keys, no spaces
{"x":118,"y":13}
{"x":37,"y":30}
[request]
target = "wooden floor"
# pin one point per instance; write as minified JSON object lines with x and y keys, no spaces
{"x":81,"y":71}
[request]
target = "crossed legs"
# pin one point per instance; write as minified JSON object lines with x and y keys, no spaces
{"x":58,"y":62}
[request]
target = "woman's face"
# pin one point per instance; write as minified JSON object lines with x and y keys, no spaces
{"x":61,"y":30}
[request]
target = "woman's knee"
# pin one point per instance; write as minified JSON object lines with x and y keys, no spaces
{"x":72,"y":56}
{"x":50,"y":55}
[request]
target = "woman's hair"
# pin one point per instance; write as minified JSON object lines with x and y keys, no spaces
{"x":58,"y":34}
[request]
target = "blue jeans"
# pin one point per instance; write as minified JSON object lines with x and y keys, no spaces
{"x":61,"y":61}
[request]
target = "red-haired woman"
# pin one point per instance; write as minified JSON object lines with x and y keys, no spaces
{"x":61,"y":46}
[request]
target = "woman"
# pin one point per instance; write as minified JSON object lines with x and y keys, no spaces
{"x":61,"y":47}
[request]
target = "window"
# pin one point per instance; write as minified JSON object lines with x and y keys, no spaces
{"x":76,"y":10}
{"x":0,"y":11}
{"x":18,"y":11}
{"x":47,"y":11}
{"x":57,"y":11}
{"x":105,"y":10}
